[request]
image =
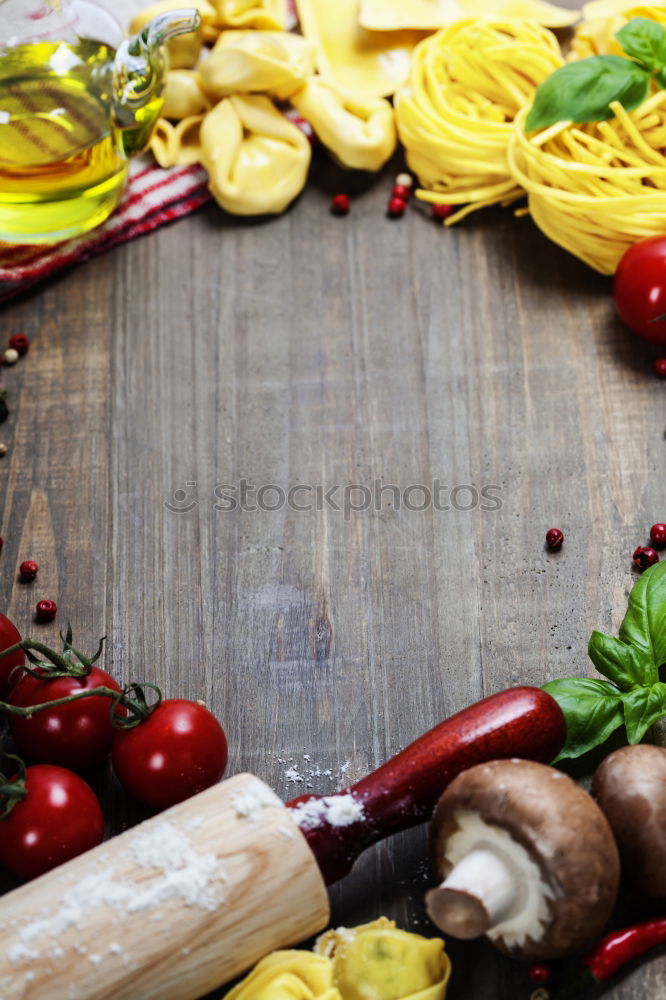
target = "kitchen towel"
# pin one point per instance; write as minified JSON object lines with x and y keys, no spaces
{"x":153,"y":197}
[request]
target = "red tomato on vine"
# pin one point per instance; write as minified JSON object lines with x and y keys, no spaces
{"x":58,"y":818}
{"x":9,"y":636}
{"x":78,"y":735}
{"x":178,"y":750}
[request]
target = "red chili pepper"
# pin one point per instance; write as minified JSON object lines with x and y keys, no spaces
{"x":518,"y":722}
{"x":612,"y":953}
{"x":620,"y":947}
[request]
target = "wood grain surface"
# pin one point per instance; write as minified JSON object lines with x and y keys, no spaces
{"x":327,"y":352}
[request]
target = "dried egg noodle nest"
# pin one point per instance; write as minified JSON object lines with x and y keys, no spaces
{"x":455,"y":120}
{"x":596,"y":189}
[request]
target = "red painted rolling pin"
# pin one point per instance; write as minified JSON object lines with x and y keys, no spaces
{"x":193,"y":897}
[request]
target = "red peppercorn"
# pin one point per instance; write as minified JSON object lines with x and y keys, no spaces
{"x":400,"y":191}
{"x":554,"y":538}
{"x":340,"y":204}
{"x":396,"y":207}
{"x":539,"y":972}
{"x":28,"y":569}
{"x":644,"y":557}
{"x":19,"y":342}
{"x":660,"y":367}
{"x":658,"y":534}
{"x":46,"y":611}
{"x":441,"y":211}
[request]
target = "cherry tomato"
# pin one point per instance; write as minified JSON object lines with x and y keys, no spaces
{"x":179,"y":750}
{"x":639,"y":288}
{"x":59,"y":818}
{"x":78,"y":735}
{"x":9,"y":636}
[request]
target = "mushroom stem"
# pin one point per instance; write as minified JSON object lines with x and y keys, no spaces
{"x":477,"y":894}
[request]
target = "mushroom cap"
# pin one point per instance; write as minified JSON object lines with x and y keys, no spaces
{"x":562,"y":830}
{"x":630,"y":788}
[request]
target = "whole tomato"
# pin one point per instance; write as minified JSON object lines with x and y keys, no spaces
{"x":177,"y":751}
{"x":9,"y":636}
{"x":78,"y":735}
{"x":59,"y":818}
{"x":639,"y":289}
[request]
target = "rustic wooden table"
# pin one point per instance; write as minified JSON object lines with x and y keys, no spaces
{"x":321,"y":352}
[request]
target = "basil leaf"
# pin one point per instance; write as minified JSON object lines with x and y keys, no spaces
{"x":592,"y":710}
{"x":624,"y":665}
{"x":644,"y":40}
{"x":644,"y":624}
{"x":642,"y":707}
{"x":582,"y":91}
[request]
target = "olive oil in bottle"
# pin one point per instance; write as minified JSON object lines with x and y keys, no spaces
{"x":62,"y":163}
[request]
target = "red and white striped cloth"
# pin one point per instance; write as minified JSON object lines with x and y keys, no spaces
{"x":153,"y":197}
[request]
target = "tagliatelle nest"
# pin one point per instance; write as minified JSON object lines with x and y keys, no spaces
{"x":596,"y":189}
{"x":468,"y":83}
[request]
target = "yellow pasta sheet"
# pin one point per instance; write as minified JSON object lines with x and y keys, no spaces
{"x":394,"y":15}
{"x":373,"y":63}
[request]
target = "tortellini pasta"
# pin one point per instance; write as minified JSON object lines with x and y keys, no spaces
{"x":177,"y":145}
{"x":379,"y":962}
{"x":373,"y":962}
{"x":256,"y":159}
{"x":371,"y":63}
{"x":360,"y":131}
{"x":183,"y":95}
{"x":266,"y":15}
{"x":269,"y":62}
{"x":288,"y":975}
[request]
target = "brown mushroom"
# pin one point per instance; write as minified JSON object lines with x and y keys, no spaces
{"x":526,"y":858}
{"x":630,"y":788}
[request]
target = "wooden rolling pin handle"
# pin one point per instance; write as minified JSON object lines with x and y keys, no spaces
{"x":519,"y":722}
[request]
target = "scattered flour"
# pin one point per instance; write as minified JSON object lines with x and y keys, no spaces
{"x":251,"y":803}
{"x":307,"y":775}
{"x":336,"y":810}
{"x":181,"y":874}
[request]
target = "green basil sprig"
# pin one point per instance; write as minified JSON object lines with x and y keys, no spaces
{"x":633,"y":695}
{"x":582,"y":91}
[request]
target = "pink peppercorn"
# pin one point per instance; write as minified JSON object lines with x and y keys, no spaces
{"x":660,"y":367}
{"x":46,"y":611}
{"x":644,"y":557}
{"x":19,"y":342}
{"x":554,"y":538}
{"x":441,"y":211}
{"x":396,"y":207}
{"x":400,"y":191}
{"x":539,"y":972}
{"x":658,"y":534}
{"x":28,"y":569}
{"x":340,"y":204}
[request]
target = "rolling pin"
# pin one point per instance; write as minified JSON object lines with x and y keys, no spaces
{"x":188,"y":900}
